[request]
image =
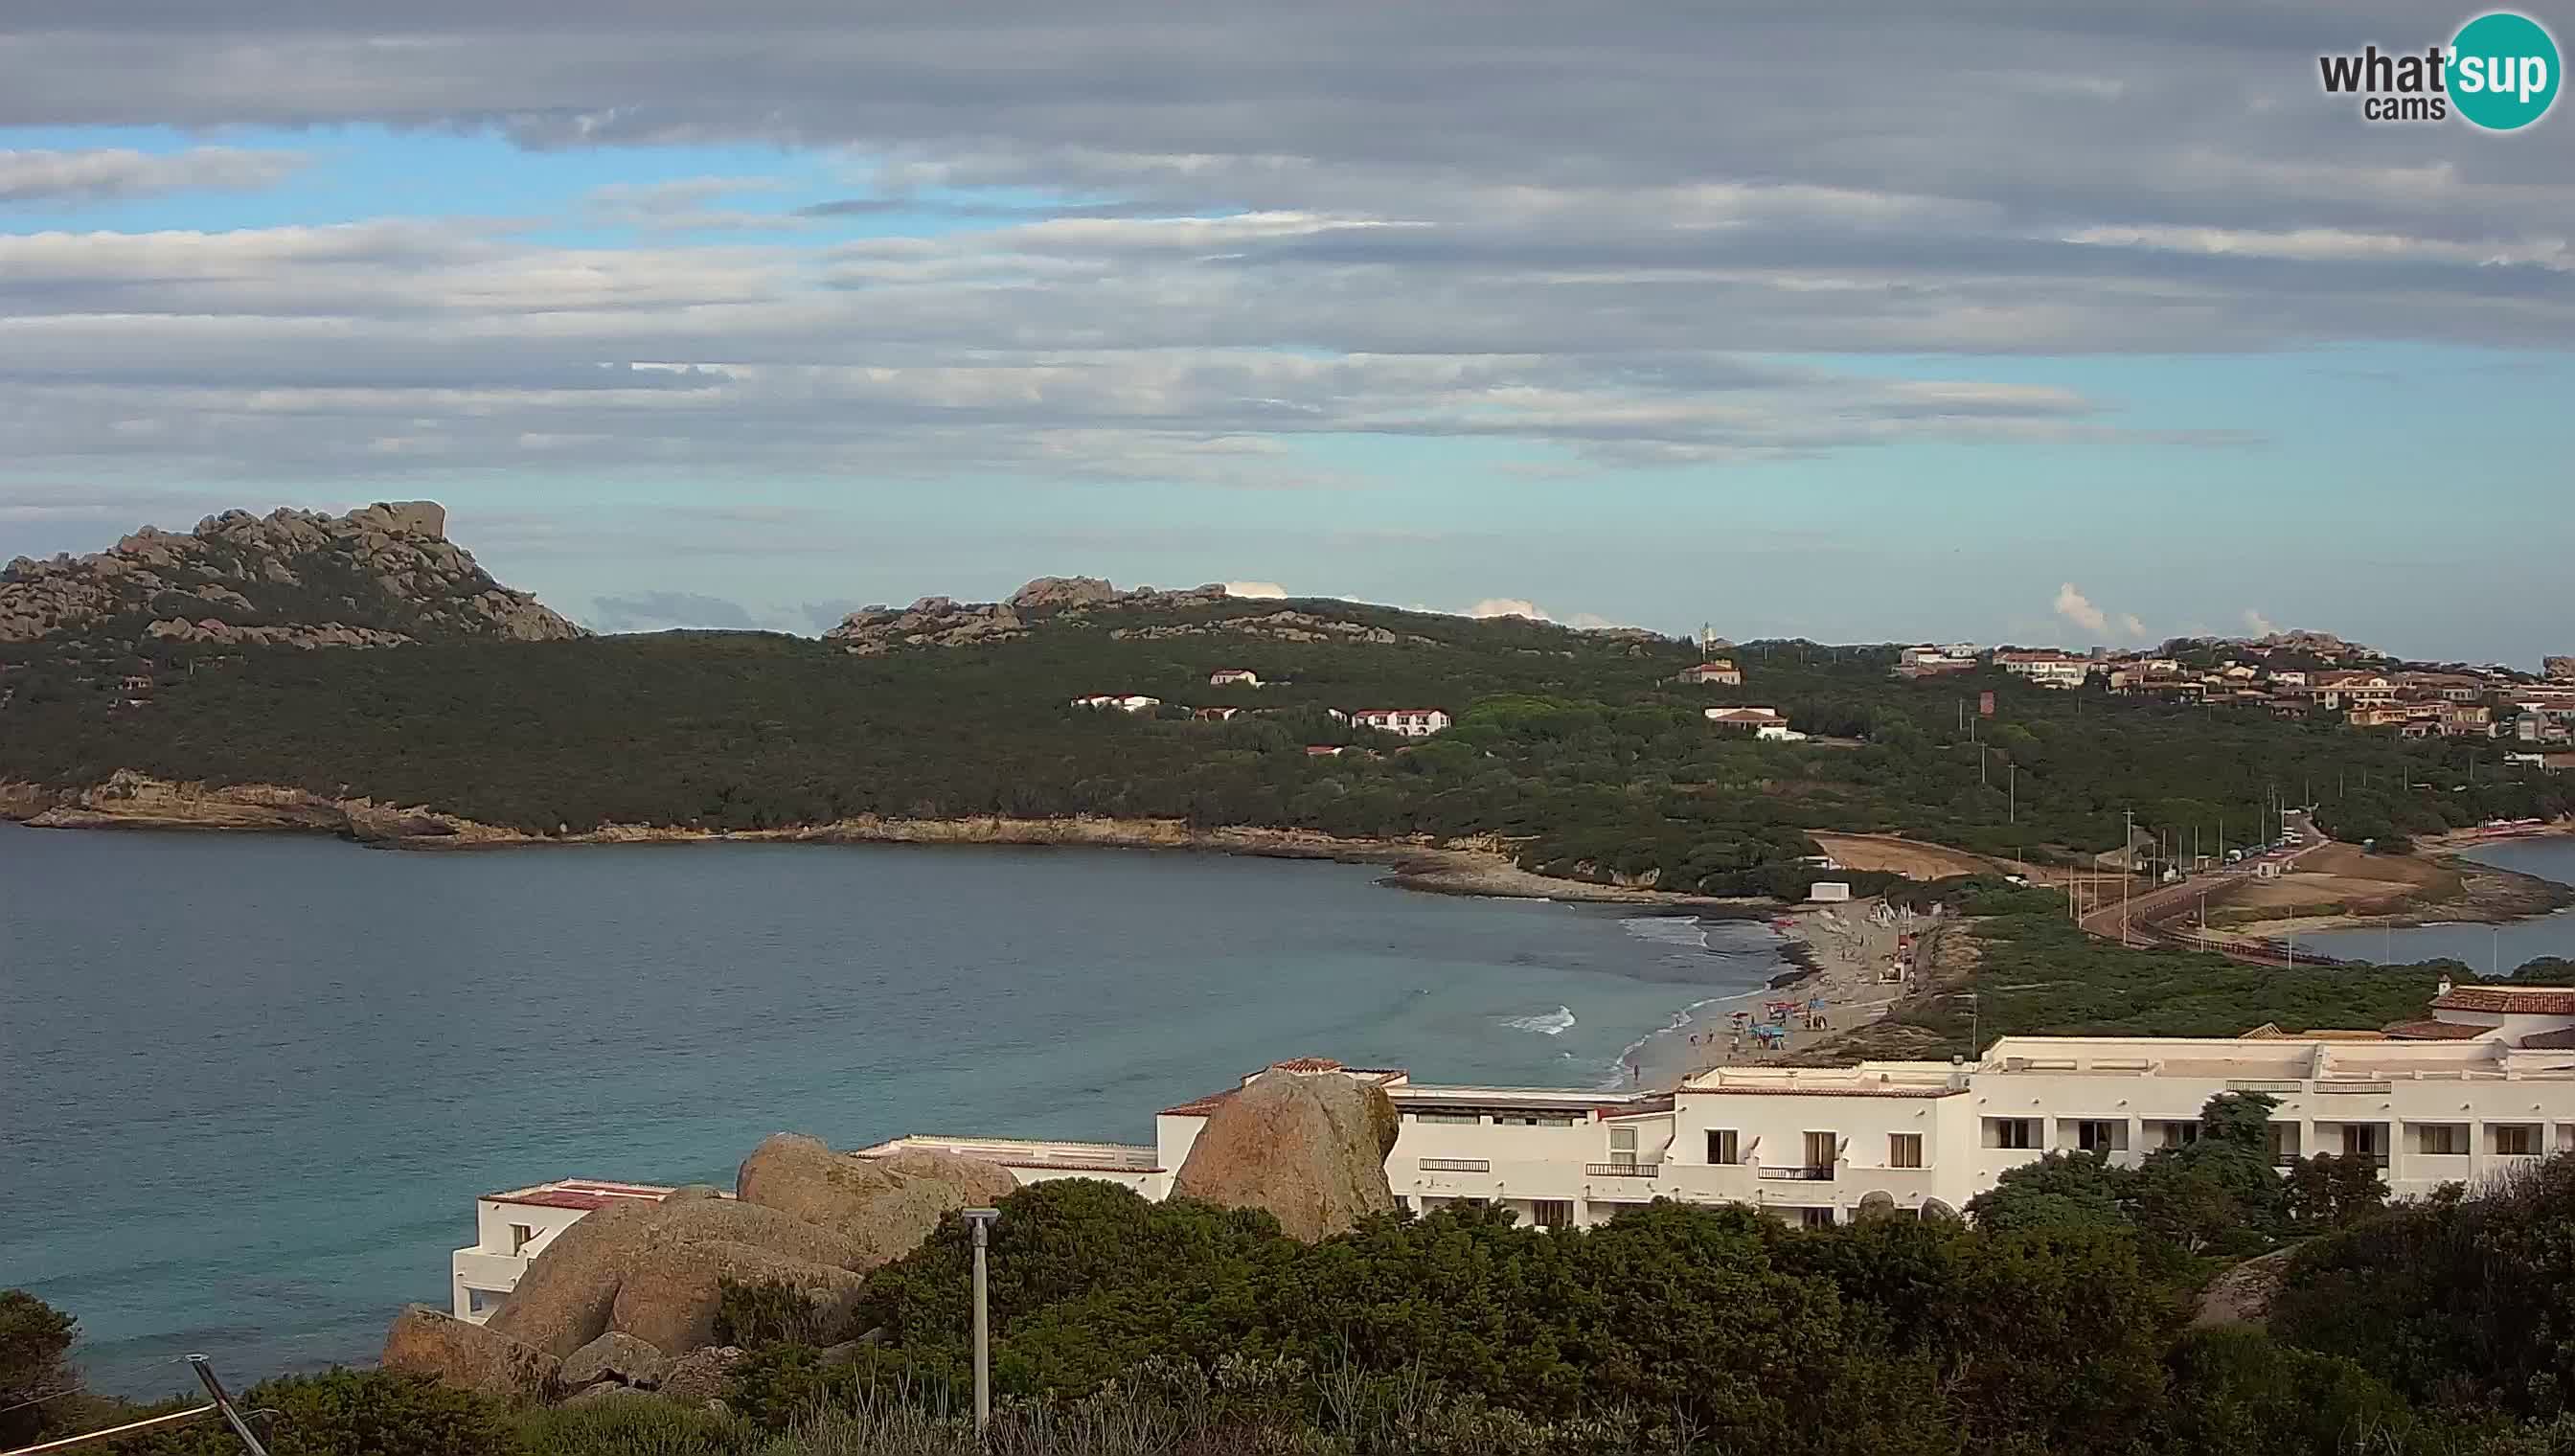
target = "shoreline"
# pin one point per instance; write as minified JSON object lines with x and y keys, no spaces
{"x":2489,"y":894}
{"x":1472,"y":867}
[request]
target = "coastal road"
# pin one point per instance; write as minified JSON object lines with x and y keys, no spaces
{"x":2142,"y":920}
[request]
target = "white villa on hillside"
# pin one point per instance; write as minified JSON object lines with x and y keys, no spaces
{"x":1123,"y":702}
{"x":2485,"y":1084}
{"x":511,"y":1228}
{"x":1410,"y":722}
{"x":1761,"y":722}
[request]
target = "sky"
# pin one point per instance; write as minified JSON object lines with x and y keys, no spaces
{"x":2044,"y":322}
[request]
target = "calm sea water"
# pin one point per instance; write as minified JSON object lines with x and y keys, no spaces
{"x":2482,"y":947}
{"x":250,"y":1086}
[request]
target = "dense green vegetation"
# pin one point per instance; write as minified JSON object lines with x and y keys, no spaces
{"x":1576,"y":747}
{"x":2056,"y":1320}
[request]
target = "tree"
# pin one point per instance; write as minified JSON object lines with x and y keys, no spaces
{"x":2333,"y":1191}
{"x":34,"y":1339}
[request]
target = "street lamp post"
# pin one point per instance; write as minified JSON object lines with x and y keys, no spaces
{"x":982,"y":1220}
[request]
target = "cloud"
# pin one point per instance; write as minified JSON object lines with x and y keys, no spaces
{"x":2257,"y":624}
{"x":1255,"y":589}
{"x":1508,"y":607}
{"x":2078,"y":609}
{"x":661,"y":610}
{"x":106,"y":174}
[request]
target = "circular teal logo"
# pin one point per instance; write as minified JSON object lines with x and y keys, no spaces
{"x":2503,"y":71}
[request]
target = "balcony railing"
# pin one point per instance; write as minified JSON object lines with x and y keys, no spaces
{"x":1457,"y":1166}
{"x":1823,"y":1174}
{"x":1619,"y":1170}
{"x":2257,"y":1084}
{"x":2351,"y":1086}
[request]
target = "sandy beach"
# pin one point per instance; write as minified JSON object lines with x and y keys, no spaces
{"x":1846,"y":948}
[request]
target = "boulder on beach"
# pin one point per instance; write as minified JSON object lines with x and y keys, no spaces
{"x":671,"y":1291}
{"x":616,"y":1356}
{"x":883,"y":1206}
{"x":426,"y":1341}
{"x":1308,"y":1146}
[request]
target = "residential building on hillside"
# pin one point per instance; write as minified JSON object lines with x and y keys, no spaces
{"x":1718,"y":672}
{"x":2481,"y":1086}
{"x":1928,"y":661}
{"x":2353,"y":690}
{"x":1761,"y":722}
{"x":1218,"y":715}
{"x":1234,"y":678}
{"x":511,"y":1228}
{"x":1123,"y":702}
{"x":1410,"y":722}
{"x":2046,"y":669}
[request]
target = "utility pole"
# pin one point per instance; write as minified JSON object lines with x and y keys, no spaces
{"x":2128,"y":882}
{"x":2011,"y":793}
{"x":982,"y":1220}
{"x":206,"y":1375}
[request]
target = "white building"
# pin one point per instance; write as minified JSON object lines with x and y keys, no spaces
{"x":1410,"y":722}
{"x":1762,"y":723}
{"x":1234,"y":678}
{"x":513,"y":1228}
{"x":1123,"y":702}
{"x":2047,"y":670}
{"x":2484,"y":1086}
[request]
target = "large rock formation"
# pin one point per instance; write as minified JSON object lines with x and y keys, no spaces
{"x":943,"y":623}
{"x":428,"y":1341}
{"x":615,"y":1356}
{"x":2558,"y":669}
{"x":2243,"y":1295}
{"x":885,"y":1206}
{"x":380,"y":577}
{"x":638,"y":1275}
{"x":1308,"y":1146}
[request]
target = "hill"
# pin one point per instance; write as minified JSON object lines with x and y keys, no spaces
{"x":380,"y":577}
{"x":1577,"y":752}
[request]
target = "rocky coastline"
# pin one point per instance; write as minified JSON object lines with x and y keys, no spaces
{"x":132,"y":800}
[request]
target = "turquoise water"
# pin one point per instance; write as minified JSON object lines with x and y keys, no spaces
{"x":250,"y":1086}
{"x":2488,"y":950}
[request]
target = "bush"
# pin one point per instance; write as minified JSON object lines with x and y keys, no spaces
{"x":34,"y":1378}
{"x":347,"y":1413}
{"x":771,"y":1311}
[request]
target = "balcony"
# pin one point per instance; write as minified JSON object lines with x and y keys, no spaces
{"x":2257,"y":1084}
{"x":1823,"y":1175}
{"x":2328,"y":1089}
{"x":1619,"y":1170}
{"x":1454,"y":1165}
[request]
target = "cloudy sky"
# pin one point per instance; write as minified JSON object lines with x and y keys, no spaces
{"x":2069,"y":323}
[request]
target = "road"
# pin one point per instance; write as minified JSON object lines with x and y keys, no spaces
{"x":2139,"y":922}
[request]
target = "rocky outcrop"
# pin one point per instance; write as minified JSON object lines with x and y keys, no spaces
{"x":137,"y":801}
{"x":2558,"y":669}
{"x":699,"y":1376}
{"x":669,"y":1293}
{"x":1276,"y":627}
{"x":567,"y":1291}
{"x":1309,"y":1146}
{"x":616,"y":1356}
{"x":380,"y":577}
{"x":941,"y":622}
{"x":885,"y":1207}
{"x":2243,"y":1295}
{"x":428,"y":1341}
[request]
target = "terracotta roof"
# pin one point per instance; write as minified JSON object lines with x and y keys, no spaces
{"x":1841,"y":1091}
{"x":2519,"y":1000}
{"x":1306,"y":1065}
{"x":2562,"y":1040}
{"x":1201,"y":1106}
{"x":2435,"y":1031}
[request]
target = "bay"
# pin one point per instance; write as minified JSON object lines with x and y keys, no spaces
{"x":251,"y":1085}
{"x":2486,"y":949}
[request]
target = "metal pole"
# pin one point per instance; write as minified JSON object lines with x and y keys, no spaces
{"x":214,"y":1387}
{"x":981,"y":1220}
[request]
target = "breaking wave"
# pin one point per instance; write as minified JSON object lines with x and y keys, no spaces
{"x":1552,"y":1023}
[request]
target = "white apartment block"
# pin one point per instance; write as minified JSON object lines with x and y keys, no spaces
{"x":511,"y":1228}
{"x":2483,"y":1086}
{"x":2047,"y":670}
{"x":1410,"y":722}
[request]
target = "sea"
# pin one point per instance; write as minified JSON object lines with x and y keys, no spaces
{"x":2487,"y":950}
{"x":251,"y":1085}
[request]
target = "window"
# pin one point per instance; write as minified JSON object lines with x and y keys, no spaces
{"x":1467,"y":1119}
{"x":2095,"y":1134}
{"x":1622,"y":1146}
{"x":1725,"y":1145}
{"x":2440,"y":1139}
{"x":1814,"y":1218}
{"x":1904,"y":1149}
{"x":521,"y":1235}
{"x":482,"y":1303}
{"x":1536,"y":1119}
{"x":2515,"y":1139}
{"x":2178,"y":1134}
{"x":1822,"y":1149}
{"x":2011,"y":1132}
{"x":2284,"y":1141}
{"x":1551,"y":1212}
